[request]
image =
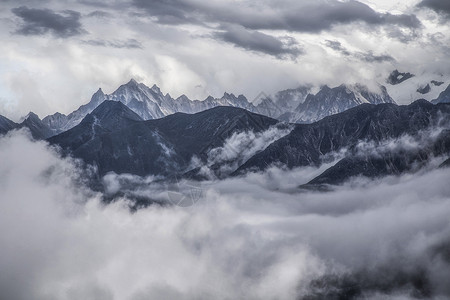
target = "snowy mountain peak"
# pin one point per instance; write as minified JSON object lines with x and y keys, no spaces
{"x":289,"y":99}
{"x":325,"y":88}
{"x":183,"y":98}
{"x":242,"y":97}
{"x":156,"y":89}
{"x":289,"y":105}
{"x":98,"y":96}
{"x":329,"y":101}
{"x":6,"y":124}
{"x":132,"y":82}
{"x":31,"y":116}
{"x":99,"y":91}
{"x":38,"y":129}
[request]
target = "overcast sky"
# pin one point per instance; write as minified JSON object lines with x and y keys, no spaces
{"x":55,"y":54}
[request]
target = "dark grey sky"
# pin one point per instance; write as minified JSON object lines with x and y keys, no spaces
{"x":62,"y":51}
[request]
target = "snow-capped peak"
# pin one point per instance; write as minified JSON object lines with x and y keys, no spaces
{"x":31,"y":116}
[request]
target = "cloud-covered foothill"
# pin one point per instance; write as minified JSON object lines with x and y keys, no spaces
{"x":386,"y":238}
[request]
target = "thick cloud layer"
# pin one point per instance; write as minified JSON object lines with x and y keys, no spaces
{"x":237,"y":149}
{"x":249,"y":238}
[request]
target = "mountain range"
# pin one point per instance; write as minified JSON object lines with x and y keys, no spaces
{"x":297,"y":105}
{"x":373,"y":140}
{"x":293,"y":105}
{"x":138,"y":130}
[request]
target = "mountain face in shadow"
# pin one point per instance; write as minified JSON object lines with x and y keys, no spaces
{"x":307,"y":144}
{"x":114,"y":138}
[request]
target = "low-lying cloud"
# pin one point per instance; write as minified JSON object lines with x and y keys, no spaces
{"x":237,"y":149}
{"x":254,"y":237}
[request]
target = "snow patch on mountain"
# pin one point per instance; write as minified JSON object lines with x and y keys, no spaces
{"x":415,"y":88}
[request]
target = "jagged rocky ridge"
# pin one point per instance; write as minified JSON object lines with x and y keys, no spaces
{"x":329,"y":101}
{"x":293,"y":105}
{"x":299,"y":105}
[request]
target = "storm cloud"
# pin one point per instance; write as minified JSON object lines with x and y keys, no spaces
{"x":304,"y":16}
{"x":42,"y":21}
{"x":259,"y":42}
{"x":442,"y":7}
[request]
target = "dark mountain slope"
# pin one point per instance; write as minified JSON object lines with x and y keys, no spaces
{"x":383,"y":163}
{"x":306,"y":144}
{"x":195,"y":134}
{"x":444,"y":97}
{"x":158,"y":147}
{"x":107,"y":117}
{"x":38,"y":129}
{"x":6,"y":125}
